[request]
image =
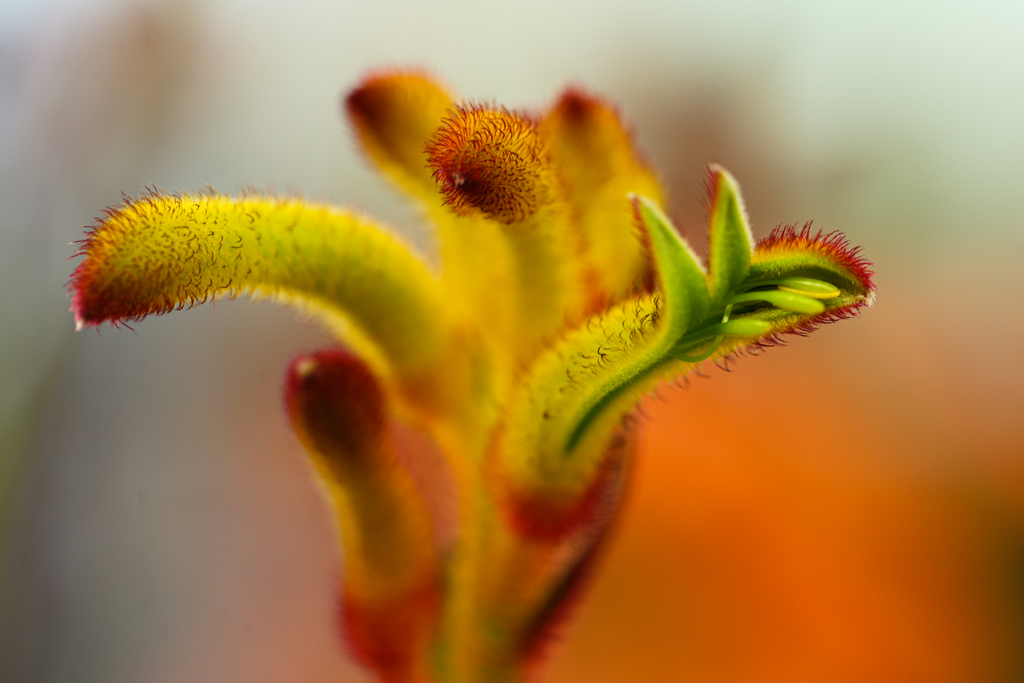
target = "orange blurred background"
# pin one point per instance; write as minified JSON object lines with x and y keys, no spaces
{"x":849,"y":507}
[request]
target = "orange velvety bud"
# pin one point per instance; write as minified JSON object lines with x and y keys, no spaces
{"x":492,"y":160}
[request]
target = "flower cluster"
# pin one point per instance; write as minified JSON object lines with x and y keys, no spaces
{"x":563,"y":297}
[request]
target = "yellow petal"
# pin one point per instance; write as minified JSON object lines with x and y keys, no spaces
{"x":394,"y":114}
{"x":599,"y":166}
{"x":554,"y":444}
{"x":548,"y":482}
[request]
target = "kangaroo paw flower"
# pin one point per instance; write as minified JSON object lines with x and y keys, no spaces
{"x":563,"y":297}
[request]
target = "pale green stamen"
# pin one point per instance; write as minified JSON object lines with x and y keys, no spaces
{"x":809,"y":287}
{"x":787,"y":301}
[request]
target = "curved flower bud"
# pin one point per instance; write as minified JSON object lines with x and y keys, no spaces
{"x":391,"y":596}
{"x":494,"y":161}
{"x":393,"y":115}
{"x":496,"y":164}
{"x":164,"y":252}
{"x":599,"y":167}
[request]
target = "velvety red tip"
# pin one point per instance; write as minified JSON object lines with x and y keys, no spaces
{"x":492,"y":160}
{"x":98,"y":296}
{"x":115,"y":302}
{"x":385,"y":103}
{"x":577,"y":106}
{"x":371,"y":102}
{"x":336,"y":404}
{"x":376,"y":96}
{"x":590,"y":114}
{"x":834,"y":246}
{"x":89,"y":306}
{"x":394,"y":113}
{"x":592,"y":139}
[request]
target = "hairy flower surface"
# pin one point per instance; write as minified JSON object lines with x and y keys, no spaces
{"x":564,"y":296}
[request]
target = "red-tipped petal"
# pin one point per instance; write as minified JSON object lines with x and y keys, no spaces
{"x":394,"y":114}
{"x":552,"y":514}
{"x":337,"y":407}
{"x":833,"y":246}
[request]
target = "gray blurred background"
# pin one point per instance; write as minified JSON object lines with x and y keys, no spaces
{"x":158,"y":523}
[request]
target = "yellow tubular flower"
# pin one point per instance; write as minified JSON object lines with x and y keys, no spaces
{"x":564,"y":296}
{"x":494,"y":164}
{"x":599,"y":166}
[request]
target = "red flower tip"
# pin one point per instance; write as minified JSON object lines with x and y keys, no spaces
{"x":833,"y":246}
{"x":493,"y":160}
{"x":336,"y":404}
{"x":391,"y":636}
{"x":379,"y":88}
{"x":372,"y":101}
{"x":102,"y":291}
{"x":577,"y":105}
{"x":390,"y":107}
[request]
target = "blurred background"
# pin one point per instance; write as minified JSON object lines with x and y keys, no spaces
{"x":846,"y":508}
